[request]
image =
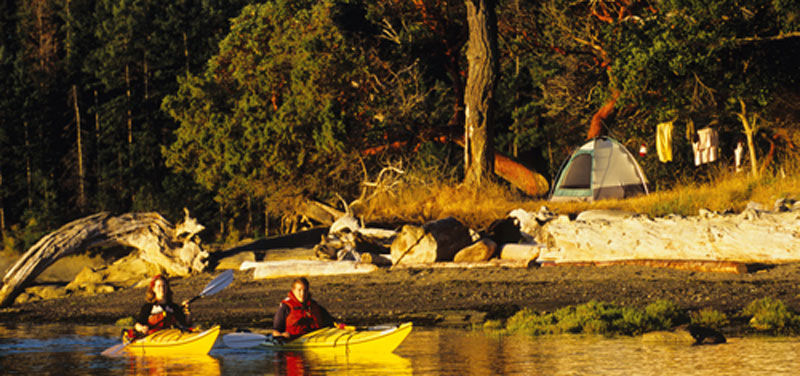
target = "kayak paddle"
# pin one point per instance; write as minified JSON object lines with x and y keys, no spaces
{"x":216,"y":285}
{"x":243,"y":340}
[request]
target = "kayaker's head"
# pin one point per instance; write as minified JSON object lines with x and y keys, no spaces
{"x":300,"y":289}
{"x":159,"y":290}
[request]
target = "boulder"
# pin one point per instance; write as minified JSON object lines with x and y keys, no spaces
{"x":481,"y":250}
{"x":435,"y":241}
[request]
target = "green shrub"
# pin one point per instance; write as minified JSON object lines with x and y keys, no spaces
{"x":528,"y":321}
{"x":768,"y":314}
{"x":710,"y":318}
{"x":662,"y":315}
{"x":597,"y":318}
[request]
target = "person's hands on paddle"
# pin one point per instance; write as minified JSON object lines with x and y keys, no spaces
{"x":185,"y":306}
{"x":141,"y":328}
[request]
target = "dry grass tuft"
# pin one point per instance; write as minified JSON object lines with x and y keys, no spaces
{"x":419,"y":200}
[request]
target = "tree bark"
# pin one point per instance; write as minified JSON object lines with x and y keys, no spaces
{"x":81,"y":173}
{"x":596,"y":126}
{"x":175,"y":249}
{"x":749,"y":131}
{"x":479,"y":93}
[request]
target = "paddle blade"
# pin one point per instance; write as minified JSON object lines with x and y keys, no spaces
{"x":113,"y":350}
{"x":243,"y":340}
{"x":217,"y":284}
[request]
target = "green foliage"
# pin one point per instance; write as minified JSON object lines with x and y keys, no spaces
{"x":710,"y":318}
{"x":598,"y":318}
{"x":128,"y":321}
{"x":663,"y":314}
{"x":772,"y":315}
{"x":285,"y":70}
{"x":18,"y":238}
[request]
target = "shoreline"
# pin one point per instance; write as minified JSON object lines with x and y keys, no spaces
{"x":451,"y":297}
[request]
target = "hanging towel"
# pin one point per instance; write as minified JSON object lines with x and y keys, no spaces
{"x":738,"y":153}
{"x":707,"y":145}
{"x":664,"y":142}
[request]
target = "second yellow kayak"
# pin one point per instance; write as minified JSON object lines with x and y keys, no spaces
{"x":373,"y":341}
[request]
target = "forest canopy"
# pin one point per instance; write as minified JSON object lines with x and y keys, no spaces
{"x":237,"y":109}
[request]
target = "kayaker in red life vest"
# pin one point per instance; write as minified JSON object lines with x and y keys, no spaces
{"x":160,"y":312}
{"x":298,"y":314}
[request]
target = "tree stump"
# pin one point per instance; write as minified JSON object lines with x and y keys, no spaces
{"x":434,"y":241}
{"x":175,"y":249}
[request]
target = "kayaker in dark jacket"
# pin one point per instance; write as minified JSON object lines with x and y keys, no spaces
{"x":160,"y":312}
{"x":298,"y":314}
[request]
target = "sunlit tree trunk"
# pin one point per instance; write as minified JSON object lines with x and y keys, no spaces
{"x":129,"y":114}
{"x":750,"y":129}
{"x":186,"y":51}
{"x":28,"y":172}
{"x":479,"y":93}
{"x":81,"y":173}
{"x":2,"y":207}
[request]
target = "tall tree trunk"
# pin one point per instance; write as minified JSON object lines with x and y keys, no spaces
{"x":97,"y":163}
{"x":479,"y":93}
{"x":2,"y":207}
{"x":186,"y":51}
{"x":129,"y":114}
{"x":81,"y":173}
{"x":749,"y":130}
{"x":28,"y":172}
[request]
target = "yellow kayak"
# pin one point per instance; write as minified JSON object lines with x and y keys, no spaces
{"x":174,"y":342}
{"x":349,"y":340}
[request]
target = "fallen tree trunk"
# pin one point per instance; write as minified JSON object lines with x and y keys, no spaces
{"x":173,"y":248}
{"x":751,"y":237}
{"x":292,"y":268}
{"x":692,"y":265}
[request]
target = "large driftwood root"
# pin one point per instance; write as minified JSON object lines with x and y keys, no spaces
{"x":173,"y":249}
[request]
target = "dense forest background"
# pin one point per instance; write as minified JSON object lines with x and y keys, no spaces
{"x":236,"y":109}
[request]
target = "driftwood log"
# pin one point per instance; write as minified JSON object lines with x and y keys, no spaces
{"x":435,"y":241}
{"x":708,"y":241}
{"x":175,"y":249}
{"x":291,"y":268}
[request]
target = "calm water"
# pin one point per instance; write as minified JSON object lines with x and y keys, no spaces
{"x":75,"y":350}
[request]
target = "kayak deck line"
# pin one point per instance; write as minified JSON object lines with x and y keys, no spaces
{"x":174,"y":342}
{"x":334,"y":339}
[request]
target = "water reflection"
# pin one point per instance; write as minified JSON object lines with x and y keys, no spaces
{"x":75,"y":350}
{"x":183,"y":365}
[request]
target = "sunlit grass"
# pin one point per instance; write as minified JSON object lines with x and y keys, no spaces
{"x":421,"y":199}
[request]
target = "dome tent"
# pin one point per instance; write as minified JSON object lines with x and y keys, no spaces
{"x":600,"y":169}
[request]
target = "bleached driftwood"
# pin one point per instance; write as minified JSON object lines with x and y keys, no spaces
{"x":289,"y":268}
{"x":435,"y":241}
{"x":753,"y":236}
{"x":493,"y":263}
{"x":173,"y":248}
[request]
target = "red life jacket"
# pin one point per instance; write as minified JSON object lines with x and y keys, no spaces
{"x":303,"y":317}
{"x":161,"y":320}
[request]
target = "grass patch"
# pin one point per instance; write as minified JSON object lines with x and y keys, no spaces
{"x":598,"y":318}
{"x":420,"y":198}
{"x":765,"y":315}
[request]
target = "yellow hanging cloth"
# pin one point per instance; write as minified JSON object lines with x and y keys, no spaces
{"x":664,"y":142}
